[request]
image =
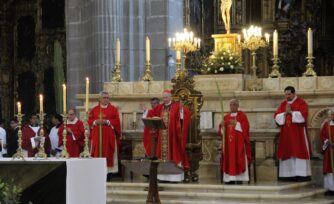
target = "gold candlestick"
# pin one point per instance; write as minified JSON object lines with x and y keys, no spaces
{"x":19,"y":152}
{"x":64,"y":153}
{"x":309,"y":67}
{"x":117,"y":73}
{"x":41,"y":151}
{"x":275,"y":69}
{"x":86,"y":153}
{"x":148,"y":75}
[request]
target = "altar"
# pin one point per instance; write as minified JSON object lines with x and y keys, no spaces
{"x":54,"y":180}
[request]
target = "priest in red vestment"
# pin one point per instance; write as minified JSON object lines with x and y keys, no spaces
{"x":147,"y":135}
{"x":237,"y":150}
{"x":105,"y":116}
{"x":171,"y":144}
{"x":326,"y":131}
{"x":293,"y":145}
{"x":75,"y":134}
{"x":31,"y":139}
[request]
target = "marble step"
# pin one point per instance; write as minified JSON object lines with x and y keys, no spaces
{"x":175,"y":201}
{"x":304,"y":192}
{"x":263,"y":187}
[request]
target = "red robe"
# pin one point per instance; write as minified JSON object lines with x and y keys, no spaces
{"x":292,"y":141}
{"x":74,"y":147}
{"x":27,"y":134}
{"x":110,"y":133}
{"x":324,"y":135}
{"x":177,"y":133}
{"x":237,"y":145}
{"x":147,"y":136}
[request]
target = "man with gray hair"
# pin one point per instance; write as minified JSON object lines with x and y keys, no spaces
{"x":236,"y":149}
{"x":105,"y":132}
{"x":327,"y":137}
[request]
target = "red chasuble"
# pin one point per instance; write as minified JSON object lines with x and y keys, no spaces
{"x":292,"y":141}
{"x":177,"y":132}
{"x":147,"y":136}
{"x":27,"y":134}
{"x":237,"y":144}
{"x":324,"y":135}
{"x":110,"y":133}
{"x":74,"y":146}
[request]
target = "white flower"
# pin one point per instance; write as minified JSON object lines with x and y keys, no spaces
{"x":222,"y":58}
{"x":231,"y":58}
{"x":221,"y":69}
{"x":232,"y":67}
{"x":224,"y":53}
{"x":216,"y":71}
{"x":229,"y":63}
{"x":209,"y":69}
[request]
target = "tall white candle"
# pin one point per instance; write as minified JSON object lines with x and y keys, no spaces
{"x":148,"y":52}
{"x":310,"y":42}
{"x":64,"y":98}
{"x":87,"y":94}
{"x":134,"y":117}
{"x":18,"y":108}
{"x":275,"y":43}
{"x":41,"y":103}
{"x":118,"y":51}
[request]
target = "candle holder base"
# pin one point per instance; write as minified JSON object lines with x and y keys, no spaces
{"x":148,"y":74}
{"x":19,"y":154}
{"x":309,"y":68}
{"x":275,"y":69}
{"x":117,"y":73}
{"x":41,"y":151}
{"x":86,"y":152}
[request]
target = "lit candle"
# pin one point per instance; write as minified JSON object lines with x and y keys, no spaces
{"x":64,"y":98}
{"x":275,"y":43}
{"x":134,"y":117}
{"x":169,"y":42}
{"x":178,"y":55}
{"x":239,"y":39}
{"x":41,"y":103}
{"x":310,"y":42}
{"x":18,"y":108}
{"x":148,"y":53}
{"x":199,"y":43}
{"x":118,"y":51}
{"x":267,"y":36}
{"x":87,"y":94}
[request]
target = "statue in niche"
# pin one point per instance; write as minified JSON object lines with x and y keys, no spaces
{"x":283,"y":9}
{"x":225,"y":8}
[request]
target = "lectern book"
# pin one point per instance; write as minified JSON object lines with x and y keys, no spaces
{"x":154,"y":123}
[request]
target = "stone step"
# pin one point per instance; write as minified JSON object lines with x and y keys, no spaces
{"x":175,"y":201}
{"x":263,"y":187}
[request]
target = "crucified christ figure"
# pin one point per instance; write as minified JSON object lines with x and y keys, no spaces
{"x":225,"y":8}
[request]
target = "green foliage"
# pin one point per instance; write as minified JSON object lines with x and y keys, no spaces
{"x":9,"y":192}
{"x":222,"y":62}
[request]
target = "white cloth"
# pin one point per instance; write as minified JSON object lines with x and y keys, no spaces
{"x":294,"y":166}
{"x":85,"y":178}
{"x":172,"y":177}
{"x":54,"y":138}
{"x":3,"y":141}
{"x":241,"y":177}
{"x":329,"y":182}
{"x":114,"y":168}
{"x":280,"y":118}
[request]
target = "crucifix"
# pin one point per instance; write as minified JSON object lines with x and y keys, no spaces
{"x":100,"y":132}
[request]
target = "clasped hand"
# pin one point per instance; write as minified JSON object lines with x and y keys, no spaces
{"x":288,"y":109}
{"x":101,"y":122}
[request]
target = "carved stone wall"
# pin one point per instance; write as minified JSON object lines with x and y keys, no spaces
{"x":259,"y":106}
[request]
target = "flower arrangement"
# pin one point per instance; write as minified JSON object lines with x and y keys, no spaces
{"x":222,"y":62}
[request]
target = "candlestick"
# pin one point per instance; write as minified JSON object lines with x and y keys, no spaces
{"x":18,"y":108}
{"x":87,"y":94}
{"x":41,"y":151}
{"x":86,"y":153}
{"x":148,"y":52}
{"x":118,"y":51}
{"x":178,"y":55}
{"x":275,"y":43}
{"x":64,"y":153}
{"x":64,"y":98}
{"x":41,"y":103}
{"x":310,"y":42}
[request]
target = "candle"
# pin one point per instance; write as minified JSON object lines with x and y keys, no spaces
{"x":148,"y":53}
{"x":18,"y":108}
{"x":178,"y":55}
{"x":239,"y":39}
{"x":199,"y":43}
{"x":134,"y":117}
{"x":275,"y":43}
{"x":169,"y":42}
{"x":87,"y":94}
{"x":267,"y":36}
{"x":40,"y":103}
{"x":64,"y":98}
{"x":118,"y":51}
{"x":310,"y":42}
